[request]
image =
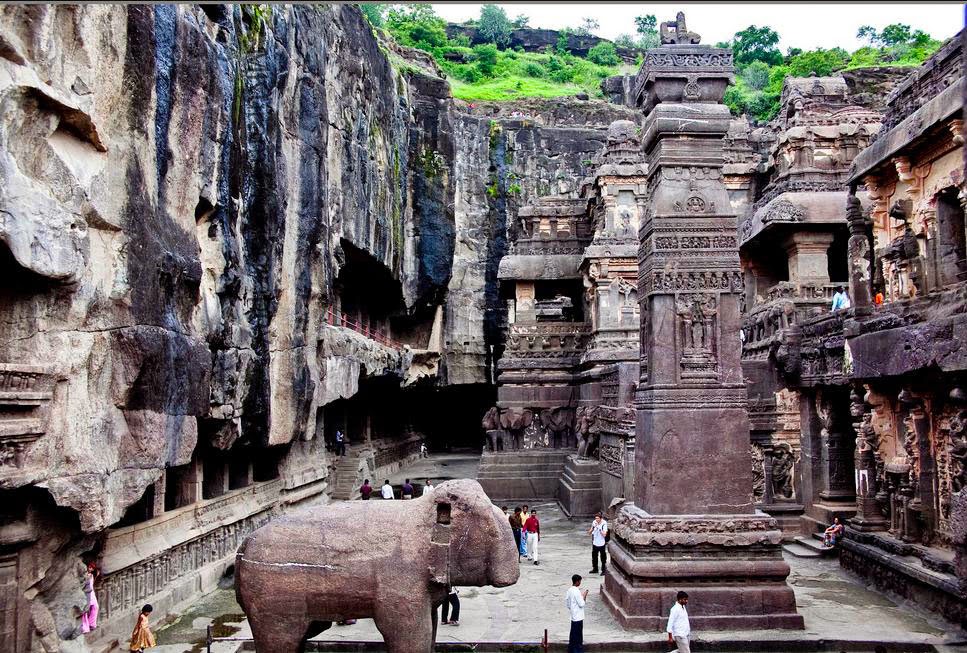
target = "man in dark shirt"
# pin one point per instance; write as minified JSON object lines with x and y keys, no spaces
{"x":407,"y":490}
{"x":516,"y":526}
{"x":366,"y":490}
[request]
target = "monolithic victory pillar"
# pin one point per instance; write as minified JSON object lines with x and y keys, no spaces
{"x":693,"y":525}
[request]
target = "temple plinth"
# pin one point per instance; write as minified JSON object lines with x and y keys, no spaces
{"x":693,"y":525}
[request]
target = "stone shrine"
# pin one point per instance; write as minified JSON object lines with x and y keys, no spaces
{"x":692,"y":525}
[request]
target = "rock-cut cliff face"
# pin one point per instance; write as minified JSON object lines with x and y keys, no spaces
{"x":179,"y":190}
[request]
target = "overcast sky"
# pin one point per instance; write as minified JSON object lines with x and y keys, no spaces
{"x":801,"y":25}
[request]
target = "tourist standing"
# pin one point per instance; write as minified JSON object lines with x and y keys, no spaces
{"x":340,"y":443}
{"x":516,"y":526}
{"x":451,"y":608}
{"x":532,"y":527}
{"x":427,"y":488}
{"x":840,"y":299}
{"x":524,"y":514}
{"x":142,"y":637}
{"x":424,"y":453}
{"x":574,"y":601}
{"x":387,"y":490}
{"x":89,"y":616}
{"x":407,"y":490}
{"x":365,"y":490}
{"x":599,"y":542}
{"x":678,"y":628}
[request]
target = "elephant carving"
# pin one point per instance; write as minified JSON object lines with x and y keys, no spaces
{"x":491,"y":425}
{"x":387,"y":560}
{"x":514,"y":421}
{"x":558,"y":423}
{"x":586,"y":431}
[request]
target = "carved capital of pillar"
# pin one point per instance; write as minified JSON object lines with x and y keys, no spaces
{"x":957,"y":129}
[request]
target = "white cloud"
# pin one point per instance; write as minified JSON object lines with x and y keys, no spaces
{"x":801,"y":25}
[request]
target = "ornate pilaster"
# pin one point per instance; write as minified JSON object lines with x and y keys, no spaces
{"x":868,"y":516}
{"x":693,"y":525}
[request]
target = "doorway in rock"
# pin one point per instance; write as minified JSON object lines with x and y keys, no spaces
{"x":450,"y":416}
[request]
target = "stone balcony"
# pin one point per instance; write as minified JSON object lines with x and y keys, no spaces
{"x":785,"y":305}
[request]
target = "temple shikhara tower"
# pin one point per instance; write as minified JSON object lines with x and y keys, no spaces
{"x":692,"y":523}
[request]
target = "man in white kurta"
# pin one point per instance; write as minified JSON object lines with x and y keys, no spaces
{"x":678,"y":628}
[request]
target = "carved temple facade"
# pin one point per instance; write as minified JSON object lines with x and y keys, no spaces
{"x":856,"y":413}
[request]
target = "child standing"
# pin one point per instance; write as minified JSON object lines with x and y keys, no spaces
{"x":142,"y":637}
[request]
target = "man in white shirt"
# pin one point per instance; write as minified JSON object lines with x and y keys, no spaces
{"x":387,"y":490}
{"x":599,"y":542}
{"x":574,"y":601}
{"x":427,"y":488}
{"x":678,"y":628}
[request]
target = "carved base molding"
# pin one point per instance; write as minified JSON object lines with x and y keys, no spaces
{"x":731,"y":566}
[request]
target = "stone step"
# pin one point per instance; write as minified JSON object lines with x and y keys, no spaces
{"x":799,"y":550}
{"x":815,"y":545}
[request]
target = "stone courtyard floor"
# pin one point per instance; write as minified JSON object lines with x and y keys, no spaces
{"x":835,"y":605}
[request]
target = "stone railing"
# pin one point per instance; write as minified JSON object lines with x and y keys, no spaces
{"x":786,"y":304}
{"x":819,"y":294}
{"x":547,"y":339}
{"x":146,"y":559}
{"x":551,"y":235}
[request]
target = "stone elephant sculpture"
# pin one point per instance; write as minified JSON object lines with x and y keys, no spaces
{"x":491,"y":426}
{"x":387,"y":560}
{"x":514,"y":421}
{"x":558,"y":423}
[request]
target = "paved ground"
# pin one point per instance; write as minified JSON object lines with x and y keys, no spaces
{"x":834,"y":604}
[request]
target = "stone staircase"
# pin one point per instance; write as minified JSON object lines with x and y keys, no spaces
{"x":346,"y":475}
{"x":809,"y":547}
{"x":524,"y":475}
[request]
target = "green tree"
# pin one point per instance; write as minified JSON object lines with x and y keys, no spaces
{"x":588,"y":26}
{"x":647,"y":28}
{"x":417,"y":26}
{"x":756,"y":75}
{"x":625,"y":41}
{"x":604,"y":54}
{"x":374,"y":13}
{"x":821,"y":62}
{"x":486,"y":56}
{"x":494,"y":26}
{"x":756,"y":44}
{"x":520,"y":21}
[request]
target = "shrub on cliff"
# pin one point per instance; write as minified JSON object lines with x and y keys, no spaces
{"x":604,"y":54}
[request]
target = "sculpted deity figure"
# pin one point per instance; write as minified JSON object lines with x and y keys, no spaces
{"x":675,"y":31}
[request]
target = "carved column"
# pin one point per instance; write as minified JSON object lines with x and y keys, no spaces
{"x":836,"y":456}
{"x":693,"y":522}
{"x":868,"y":516}
{"x":859,"y":257}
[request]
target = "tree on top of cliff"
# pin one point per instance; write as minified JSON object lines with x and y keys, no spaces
{"x":417,"y":26}
{"x":494,"y":26}
{"x":755,"y":44}
{"x":374,"y":12}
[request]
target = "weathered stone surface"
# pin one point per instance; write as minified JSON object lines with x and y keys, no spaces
{"x":384,"y":560}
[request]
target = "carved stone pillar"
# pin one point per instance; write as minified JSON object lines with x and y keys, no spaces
{"x":859,"y":257}
{"x":868,"y":516}
{"x":692,"y":525}
{"x":808,"y":257}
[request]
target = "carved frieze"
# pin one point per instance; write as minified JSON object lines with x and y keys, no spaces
{"x":25,"y":395}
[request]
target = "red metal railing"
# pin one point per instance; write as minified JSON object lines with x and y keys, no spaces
{"x":337,"y":318}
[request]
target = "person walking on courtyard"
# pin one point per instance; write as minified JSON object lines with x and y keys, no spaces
{"x":427,"y":488}
{"x":678,"y":628}
{"x":451,"y":608}
{"x":340,"y":443}
{"x":516,"y":526}
{"x":532,"y":527}
{"x":407,"y":489}
{"x":142,"y":637}
{"x":365,"y":490}
{"x":840,"y":299}
{"x":574,"y":601}
{"x":89,"y":616}
{"x":424,"y":453}
{"x":524,"y":515}
{"x":599,"y":543}
{"x":387,"y":490}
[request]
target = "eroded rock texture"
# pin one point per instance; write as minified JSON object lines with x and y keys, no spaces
{"x":217,"y":223}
